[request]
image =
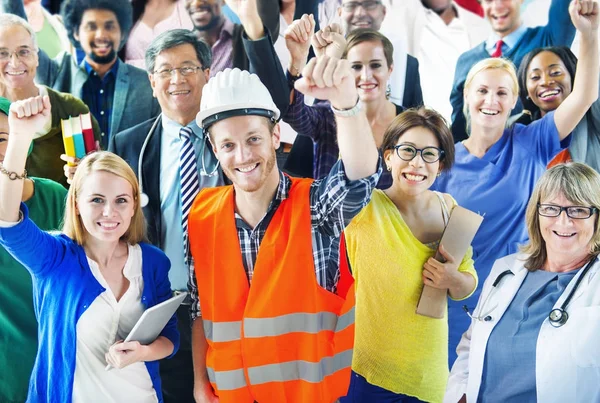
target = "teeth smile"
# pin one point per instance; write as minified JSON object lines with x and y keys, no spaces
{"x":247,"y":169}
{"x":564,"y":234}
{"x":414,"y":178}
{"x":108,"y":225}
{"x":549,"y":93}
{"x":488,"y":112}
{"x":179,"y":92}
{"x":15,"y":73}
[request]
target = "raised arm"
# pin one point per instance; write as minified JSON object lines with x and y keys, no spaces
{"x":584,"y":14}
{"x":332,"y":79}
{"x":559,"y":30}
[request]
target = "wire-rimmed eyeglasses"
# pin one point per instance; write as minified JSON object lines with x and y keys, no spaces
{"x":184,"y":71}
{"x":575,"y":212}
{"x":367,"y":5}
{"x":408,"y":152}
{"x":21,"y":53}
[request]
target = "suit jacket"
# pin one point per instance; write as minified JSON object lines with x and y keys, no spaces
{"x":413,"y":95}
{"x":128,"y":145}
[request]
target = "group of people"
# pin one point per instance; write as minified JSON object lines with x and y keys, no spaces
{"x":301,"y":289}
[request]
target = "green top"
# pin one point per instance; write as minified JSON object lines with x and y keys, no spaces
{"x":48,"y":40}
{"x":18,"y":324}
{"x":44,"y":161}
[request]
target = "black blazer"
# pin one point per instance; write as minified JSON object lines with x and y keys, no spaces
{"x":413,"y":95}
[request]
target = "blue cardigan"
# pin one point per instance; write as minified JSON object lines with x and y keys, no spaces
{"x":559,"y":31}
{"x":63,"y":288}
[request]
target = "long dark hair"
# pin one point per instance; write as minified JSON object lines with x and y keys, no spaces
{"x":568,"y":59}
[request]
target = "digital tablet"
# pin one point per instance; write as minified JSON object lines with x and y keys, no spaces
{"x":154,"y":320}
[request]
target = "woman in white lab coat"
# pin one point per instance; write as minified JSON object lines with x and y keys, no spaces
{"x":534,"y":333}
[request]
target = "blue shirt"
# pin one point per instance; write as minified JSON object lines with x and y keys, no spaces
{"x":509,"y":366}
{"x":509,"y":40}
{"x":170,"y":193}
{"x":63,"y":288}
{"x":497,"y":186}
{"x":97,"y":93}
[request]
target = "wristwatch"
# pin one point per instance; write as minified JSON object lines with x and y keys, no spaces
{"x":348,"y":112}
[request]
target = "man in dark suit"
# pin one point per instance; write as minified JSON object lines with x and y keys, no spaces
{"x":118,"y":95}
{"x":178,"y":68}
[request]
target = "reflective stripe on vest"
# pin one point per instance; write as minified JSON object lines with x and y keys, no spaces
{"x":313,"y":372}
{"x":266,"y":327}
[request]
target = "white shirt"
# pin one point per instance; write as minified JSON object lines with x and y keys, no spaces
{"x":567,"y":357}
{"x":436,"y":45}
{"x":103,"y":323}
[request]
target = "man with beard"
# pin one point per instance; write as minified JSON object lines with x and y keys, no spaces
{"x":405,"y":82}
{"x":223,"y":36}
{"x":118,"y":95}
{"x":511,"y":40}
{"x":277,"y":320}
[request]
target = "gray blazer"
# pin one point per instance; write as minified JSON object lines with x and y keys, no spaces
{"x":133,"y":101}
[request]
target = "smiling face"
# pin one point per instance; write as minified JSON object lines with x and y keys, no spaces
{"x":490,"y":98}
{"x":105,"y":205}
{"x":503,"y":15}
{"x":415,"y":176}
{"x":361,"y":14}
{"x":566,"y":236}
{"x":178,"y":95}
{"x":245,"y":147}
{"x":371,"y":72}
{"x":99,"y":35}
{"x":17,"y":72}
{"x":205,"y":14}
{"x":548,"y":81}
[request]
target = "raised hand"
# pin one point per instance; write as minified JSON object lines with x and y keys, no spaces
{"x":29,"y":116}
{"x":329,"y":41}
{"x":247,"y":11}
{"x":330,"y":79}
{"x":584,"y":14}
{"x":297,"y":40}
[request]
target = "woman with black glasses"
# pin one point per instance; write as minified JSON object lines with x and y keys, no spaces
{"x":399,"y":355}
{"x":534,"y":333}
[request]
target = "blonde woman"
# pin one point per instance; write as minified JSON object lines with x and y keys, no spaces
{"x":497,"y":167}
{"x":92,"y":282}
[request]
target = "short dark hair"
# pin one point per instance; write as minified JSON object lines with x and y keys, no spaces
{"x":361,"y":35}
{"x":428,"y":119}
{"x":564,"y":53}
{"x":174,"y":38}
{"x":72,"y":13}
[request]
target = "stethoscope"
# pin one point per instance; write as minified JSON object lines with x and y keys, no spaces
{"x":557,"y":317}
{"x":203,"y":172}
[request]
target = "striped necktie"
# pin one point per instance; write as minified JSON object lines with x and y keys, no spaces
{"x":190,"y":187}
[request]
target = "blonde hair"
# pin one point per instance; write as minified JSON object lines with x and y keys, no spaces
{"x":580,"y":184}
{"x":491,"y":63}
{"x":111,"y":163}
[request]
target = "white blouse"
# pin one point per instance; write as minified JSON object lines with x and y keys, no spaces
{"x":103,"y":323}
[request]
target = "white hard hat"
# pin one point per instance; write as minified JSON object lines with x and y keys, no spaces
{"x":235,"y":93}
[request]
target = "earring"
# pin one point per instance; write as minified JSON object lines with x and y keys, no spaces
{"x":439,"y":173}
{"x":388,"y":91}
{"x":389,"y":168}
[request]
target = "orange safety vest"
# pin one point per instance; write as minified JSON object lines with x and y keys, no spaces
{"x":285,"y":339}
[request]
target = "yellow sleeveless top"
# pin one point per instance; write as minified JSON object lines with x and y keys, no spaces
{"x":395,"y":348}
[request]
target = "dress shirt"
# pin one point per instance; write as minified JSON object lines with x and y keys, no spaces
{"x":97,"y":94}
{"x":104,"y":322}
{"x":509,"y":40}
{"x":222,"y":50}
{"x":170,"y":199}
{"x":334,"y":201}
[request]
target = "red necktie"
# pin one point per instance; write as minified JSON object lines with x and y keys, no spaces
{"x":498,"y":51}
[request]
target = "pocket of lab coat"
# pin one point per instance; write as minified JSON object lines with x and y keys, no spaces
{"x":585,"y":342}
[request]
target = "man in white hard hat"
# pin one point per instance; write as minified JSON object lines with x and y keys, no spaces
{"x":277,"y":317}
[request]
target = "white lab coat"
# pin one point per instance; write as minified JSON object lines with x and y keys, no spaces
{"x":567,"y":358}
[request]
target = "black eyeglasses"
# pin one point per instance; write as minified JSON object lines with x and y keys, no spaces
{"x":575,"y":212}
{"x":407,"y":152}
{"x":367,"y":5}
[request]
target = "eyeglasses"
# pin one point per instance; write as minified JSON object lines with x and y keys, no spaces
{"x":407,"y":152}
{"x":366,"y":5}
{"x":22,"y":53}
{"x":575,"y":212}
{"x":184,"y":71}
